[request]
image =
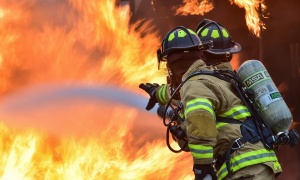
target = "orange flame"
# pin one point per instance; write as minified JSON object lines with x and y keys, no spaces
{"x":74,"y":41}
{"x":193,"y":7}
{"x":252,"y":8}
{"x":110,"y":142}
{"x":89,"y":42}
{"x":252,"y":15}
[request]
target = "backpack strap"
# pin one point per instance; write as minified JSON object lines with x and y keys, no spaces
{"x":249,"y":133}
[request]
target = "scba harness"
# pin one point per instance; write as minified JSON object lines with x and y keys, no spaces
{"x":253,"y":129}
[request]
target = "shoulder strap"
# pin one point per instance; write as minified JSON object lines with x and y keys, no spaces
{"x":228,"y":120}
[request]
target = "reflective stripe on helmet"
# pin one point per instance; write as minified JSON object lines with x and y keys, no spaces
{"x":225,"y":33}
{"x":204,"y":32}
{"x":171,"y":37}
{"x":215,"y":34}
{"x":199,"y":103}
{"x":180,"y":33}
{"x":201,"y":151}
{"x":178,"y":39}
{"x":191,"y":32}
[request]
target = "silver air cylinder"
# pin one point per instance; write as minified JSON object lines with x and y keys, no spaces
{"x":271,"y":105}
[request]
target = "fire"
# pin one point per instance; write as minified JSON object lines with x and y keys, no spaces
{"x":71,"y":42}
{"x":193,"y":7}
{"x":105,"y":145}
{"x":89,"y":41}
{"x":252,"y":11}
{"x":252,"y":15}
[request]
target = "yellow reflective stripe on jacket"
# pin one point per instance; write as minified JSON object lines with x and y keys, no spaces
{"x":248,"y":159}
{"x":238,"y":112}
{"x":162,"y":94}
{"x":220,"y":124}
{"x":199,"y":103}
{"x":201,"y":151}
{"x":276,"y":165}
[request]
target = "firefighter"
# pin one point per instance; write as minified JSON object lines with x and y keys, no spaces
{"x":252,"y":160}
{"x":207,"y":100}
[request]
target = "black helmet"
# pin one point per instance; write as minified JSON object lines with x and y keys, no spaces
{"x":179,"y":39}
{"x":209,"y":30}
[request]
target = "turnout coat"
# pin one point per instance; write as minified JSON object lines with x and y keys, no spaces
{"x":205,"y":98}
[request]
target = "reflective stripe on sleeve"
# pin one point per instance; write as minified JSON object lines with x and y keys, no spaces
{"x":162,"y":94}
{"x":277,"y":166}
{"x":220,"y":124}
{"x":199,"y":103}
{"x":201,"y":151}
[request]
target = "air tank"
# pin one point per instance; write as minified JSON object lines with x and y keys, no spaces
{"x":272,"y":106}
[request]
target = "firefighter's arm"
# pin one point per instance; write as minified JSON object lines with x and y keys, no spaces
{"x":158,"y":93}
{"x":201,"y":133}
{"x":199,"y":109}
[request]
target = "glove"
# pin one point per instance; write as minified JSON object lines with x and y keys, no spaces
{"x":151,"y":90}
{"x":204,"y":172}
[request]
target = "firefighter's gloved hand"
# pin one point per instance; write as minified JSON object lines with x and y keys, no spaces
{"x":204,"y":172}
{"x":150,"y":89}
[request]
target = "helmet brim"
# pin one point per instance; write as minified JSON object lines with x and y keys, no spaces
{"x":204,"y":46}
{"x":171,"y":50}
{"x":235,"y":49}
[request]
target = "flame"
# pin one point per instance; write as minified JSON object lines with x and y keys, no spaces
{"x":27,"y":154}
{"x":74,"y":41}
{"x":104,"y":141}
{"x":254,"y":24}
{"x":193,"y":7}
{"x":67,"y":42}
{"x":252,"y":14}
